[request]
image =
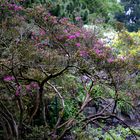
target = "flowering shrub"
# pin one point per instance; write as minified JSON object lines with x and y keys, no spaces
{"x":38,"y":53}
{"x":128,"y":46}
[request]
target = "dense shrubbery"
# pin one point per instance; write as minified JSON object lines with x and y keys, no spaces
{"x":50,"y":70}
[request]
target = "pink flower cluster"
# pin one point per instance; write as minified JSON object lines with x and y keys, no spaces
{"x":83,"y":53}
{"x":52,"y":19}
{"x":18,"y":90}
{"x":32,"y":85}
{"x":28,"y":87}
{"x":42,"y":32}
{"x":10,"y":6}
{"x":74,"y":36}
{"x":8,"y":78}
{"x":78,"y":18}
{"x":78,"y":44}
{"x":110,"y":60}
{"x":98,"y":51}
{"x":71,"y":37}
{"x":122,"y":58}
{"x":98,"y":45}
{"x":64,"y":20}
{"x":77,"y":34}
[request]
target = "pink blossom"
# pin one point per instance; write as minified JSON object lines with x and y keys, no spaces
{"x":28,"y":87}
{"x":14,"y":7}
{"x":77,"y":34}
{"x":18,"y":90}
{"x":122,"y":58}
{"x":71,"y":37}
{"x":83,"y":53}
{"x":53,"y":19}
{"x":42,"y":32}
{"x":66,"y":44}
{"x":49,"y":14}
{"x":99,"y":43}
{"x":78,"y":44}
{"x":110,"y":60}
{"x":34,"y":85}
{"x":66,"y":31}
{"x":78,"y":18}
{"x":63,"y":20}
{"x":97,"y":51}
{"x":9,"y":78}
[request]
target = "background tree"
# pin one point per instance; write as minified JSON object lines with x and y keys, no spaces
{"x":93,"y":11}
{"x":131,"y":15}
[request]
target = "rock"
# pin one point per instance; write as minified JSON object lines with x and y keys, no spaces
{"x":132,"y":116}
{"x":89,"y":111}
{"x":105,"y":103}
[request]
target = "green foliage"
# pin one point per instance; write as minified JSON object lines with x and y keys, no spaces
{"x":118,"y":133}
{"x":124,"y":103}
{"x":37,"y":132}
{"x":95,"y":11}
{"x":71,"y":108}
{"x":127,"y":44}
{"x":87,"y":10}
